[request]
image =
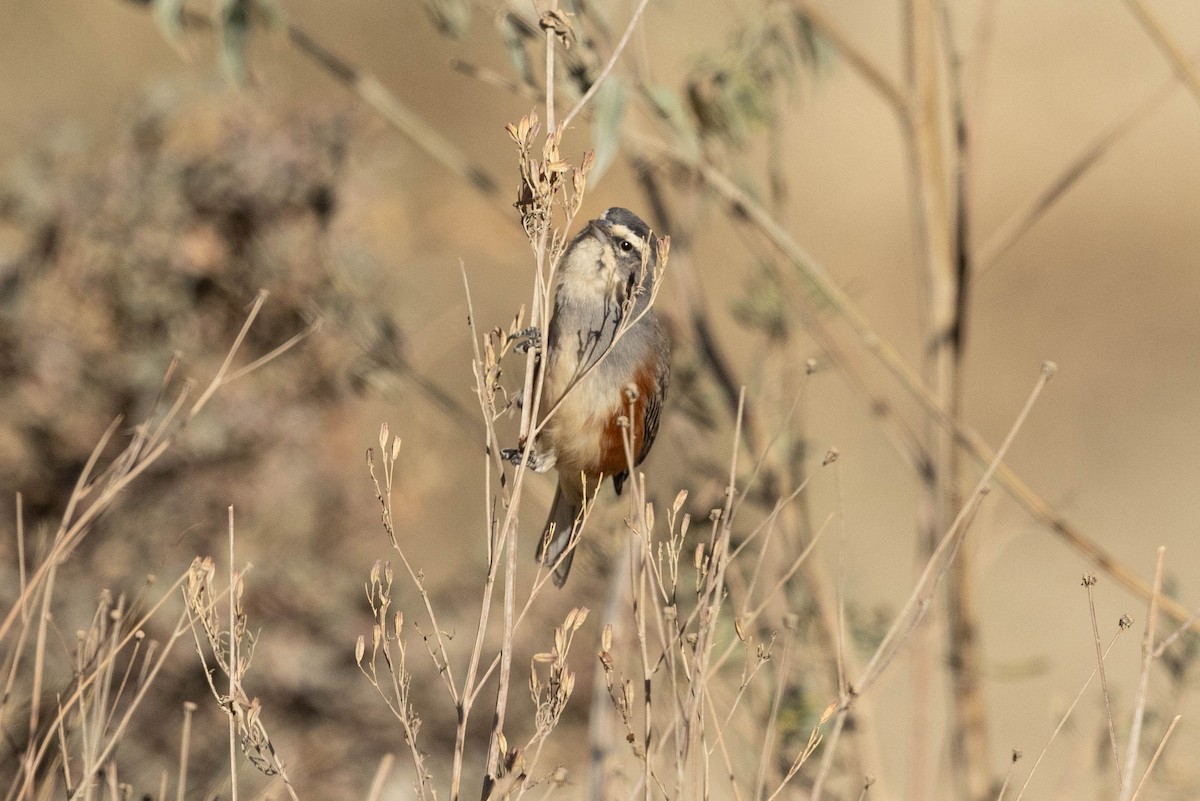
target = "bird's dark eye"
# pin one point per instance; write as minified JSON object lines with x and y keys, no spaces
{"x":626,"y":245}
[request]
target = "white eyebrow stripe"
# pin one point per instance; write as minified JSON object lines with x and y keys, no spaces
{"x":624,"y":232}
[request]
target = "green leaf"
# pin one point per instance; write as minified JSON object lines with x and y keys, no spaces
{"x":236,"y":18}
{"x":606,"y":125}
{"x":514,"y":43}
{"x":168,"y":15}
{"x":670,"y":108}
{"x":452,"y":17}
{"x":235,"y":33}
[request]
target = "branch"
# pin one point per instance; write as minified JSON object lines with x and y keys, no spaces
{"x":818,"y":282}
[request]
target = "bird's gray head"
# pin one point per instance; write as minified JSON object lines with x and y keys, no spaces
{"x":615,"y":254}
{"x":630,"y":235}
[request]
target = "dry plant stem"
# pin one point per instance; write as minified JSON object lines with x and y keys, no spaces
{"x":73,"y":528}
{"x":1012,"y":766}
{"x":39,"y":660}
{"x":100,"y":760}
{"x":642,"y":595}
{"x":911,"y":614}
{"x":839,"y":723}
{"x":730,"y":773}
{"x":949,"y":304}
{"x":840,"y":651}
{"x":1139,"y":706}
{"x":86,"y":682}
{"x":391,"y":108}
{"x":185,"y":746}
{"x":372,"y":91}
{"x":1088,"y":582}
{"x":1009,"y":232}
{"x":1169,"y":46}
{"x":505,"y":536}
{"x":711,"y":600}
{"x":228,"y":659}
{"x":928,"y":154}
{"x":64,"y":758}
{"x":1025,"y":217}
{"x":818,"y":281}
{"x":550,"y":76}
{"x":506,"y":644}
{"x":219,"y":378}
{"x":1066,"y":715}
{"x":440,"y":657}
{"x":234,"y":660}
{"x":866,"y":738}
{"x":604,"y":73}
{"x":495,"y":538}
{"x":886,"y":648}
{"x":768,"y":746}
{"x":748,"y":618}
{"x":926,"y":601}
{"x":381,"y":774}
{"x":20,"y":528}
{"x":600,"y":713}
{"x":545,"y":263}
{"x":112,"y":707}
{"x":1184,"y":627}
{"x":1154,"y":759}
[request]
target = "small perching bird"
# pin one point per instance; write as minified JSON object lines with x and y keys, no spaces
{"x":607,"y":365}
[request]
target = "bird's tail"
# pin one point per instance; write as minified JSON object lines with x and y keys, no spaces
{"x":555,"y":548}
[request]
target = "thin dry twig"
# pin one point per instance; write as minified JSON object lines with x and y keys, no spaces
{"x":1012,"y":766}
{"x":128,"y":466}
{"x":1066,"y":715}
{"x":1170,"y":47}
{"x":606,"y":70}
{"x":1139,"y":705}
{"x":1154,"y":759}
{"x":1089,"y":581}
{"x":817,"y":280}
{"x":380,"y":778}
{"x":886,"y":648}
{"x":1020,"y":221}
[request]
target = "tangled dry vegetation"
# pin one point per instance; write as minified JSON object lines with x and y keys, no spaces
{"x":721,"y":658}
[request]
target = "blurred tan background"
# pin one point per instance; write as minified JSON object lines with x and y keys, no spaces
{"x":1107,"y":285}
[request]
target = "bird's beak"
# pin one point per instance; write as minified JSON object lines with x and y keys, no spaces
{"x":601,"y":229}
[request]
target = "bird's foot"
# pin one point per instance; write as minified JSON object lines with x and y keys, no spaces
{"x":527,"y":338}
{"x":537,"y":462}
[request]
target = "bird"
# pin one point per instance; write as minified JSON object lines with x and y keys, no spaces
{"x":607,"y":365}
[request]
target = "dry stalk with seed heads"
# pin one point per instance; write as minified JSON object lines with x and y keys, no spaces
{"x":72,"y":748}
{"x":231,"y":645}
{"x":689,"y":660}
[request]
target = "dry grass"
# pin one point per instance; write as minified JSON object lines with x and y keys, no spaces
{"x":728,"y":660}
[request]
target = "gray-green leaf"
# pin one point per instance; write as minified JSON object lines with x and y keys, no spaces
{"x":168,"y":15}
{"x":606,"y":125}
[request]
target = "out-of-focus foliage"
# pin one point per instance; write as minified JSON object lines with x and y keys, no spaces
{"x":232,"y":20}
{"x":731,"y":94}
{"x":110,"y":263}
{"x":606,"y":125}
{"x":115,"y":263}
{"x":763,"y":306}
{"x":452,"y":17}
